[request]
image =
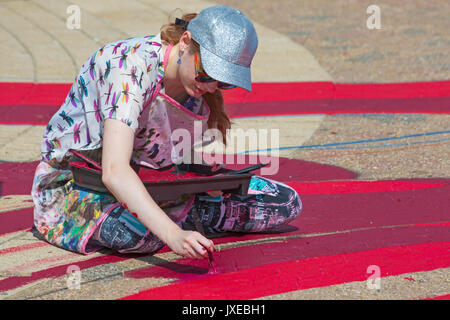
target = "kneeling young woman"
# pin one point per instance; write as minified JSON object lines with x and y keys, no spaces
{"x":122,"y":108}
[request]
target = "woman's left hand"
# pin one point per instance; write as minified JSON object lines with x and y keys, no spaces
{"x":217,"y":166}
{"x":214,"y":193}
{"x":217,"y":193}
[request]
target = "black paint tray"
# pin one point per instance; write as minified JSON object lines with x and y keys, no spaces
{"x":170,"y":183}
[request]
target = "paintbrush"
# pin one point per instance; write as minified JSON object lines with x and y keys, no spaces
{"x":199,"y":227}
{"x":95,"y":164}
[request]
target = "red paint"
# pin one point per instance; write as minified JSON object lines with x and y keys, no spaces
{"x":440,"y":105}
{"x":28,"y":93}
{"x":425,"y":210}
{"x":304,"y":274}
{"x":34,"y":104}
{"x":24,"y":247}
{"x":151,"y":175}
{"x":410,"y":279}
{"x":292,"y":169}
{"x":359,"y":186}
{"x":444,"y":297}
{"x":16,"y":220}
{"x":17,"y":281}
{"x":17,"y":177}
{"x":134,"y":214}
{"x":252,"y":256}
{"x":168,"y":175}
{"x":38,"y":263}
{"x":393,"y":90}
{"x":439,"y":224}
{"x":281,"y":91}
{"x":193,"y":269}
{"x":40,"y":115}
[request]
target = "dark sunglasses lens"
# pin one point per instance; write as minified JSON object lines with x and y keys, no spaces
{"x":204,"y":79}
{"x":220,"y":85}
{"x":225,"y":86}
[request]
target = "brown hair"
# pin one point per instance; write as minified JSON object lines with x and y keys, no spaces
{"x":218,"y":117}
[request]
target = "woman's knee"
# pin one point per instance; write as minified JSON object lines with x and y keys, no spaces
{"x":293,"y":206}
{"x":116,"y":233}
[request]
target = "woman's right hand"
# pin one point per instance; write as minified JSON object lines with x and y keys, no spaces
{"x":190,"y":244}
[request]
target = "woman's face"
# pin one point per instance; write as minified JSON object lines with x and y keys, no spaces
{"x":187,"y":71}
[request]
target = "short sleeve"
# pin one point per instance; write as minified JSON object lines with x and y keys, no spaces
{"x":124,"y":87}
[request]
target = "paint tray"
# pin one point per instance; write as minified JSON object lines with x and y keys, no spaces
{"x":170,"y":183}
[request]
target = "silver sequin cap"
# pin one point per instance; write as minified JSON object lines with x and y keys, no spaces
{"x":228,"y":42}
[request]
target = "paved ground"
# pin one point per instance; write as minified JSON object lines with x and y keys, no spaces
{"x":412,"y":44}
{"x":370,"y":163}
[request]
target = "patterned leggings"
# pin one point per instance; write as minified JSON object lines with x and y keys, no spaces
{"x":268,"y":204}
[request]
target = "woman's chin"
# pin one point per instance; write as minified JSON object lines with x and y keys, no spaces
{"x":195,"y":93}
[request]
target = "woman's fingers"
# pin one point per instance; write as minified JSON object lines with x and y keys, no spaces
{"x":192,"y":244}
{"x":207,"y":244}
{"x":191,"y":253}
{"x":201,"y":245}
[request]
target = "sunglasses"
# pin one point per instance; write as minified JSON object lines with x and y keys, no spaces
{"x":203,"y":77}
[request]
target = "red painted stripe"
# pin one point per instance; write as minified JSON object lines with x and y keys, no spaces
{"x":393,"y":90}
{"x":359,"y":186}
{"x":338,"y":106}
{"x":279,"y":114}
{"x":16,"y":220}
{"x":299,"y":248}
{"x":26,"y":113}
{"x":24,"y":247}
{"x":444,"y":297}
{"x":262,"y":254}
{"x":40,"y":115}
{"x":281,"y":91}
{"x":16,"y":177}
{"x":17,"y":281}
{"x":305,"y":274}
{"x":23,"y":123}
{"x":290,"y":91}
{"x":439,"y":224}
{"x":27,"y":93}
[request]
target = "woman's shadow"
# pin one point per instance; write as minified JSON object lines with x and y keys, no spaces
{"x":153,"y":260}
{"x":190,"y":269}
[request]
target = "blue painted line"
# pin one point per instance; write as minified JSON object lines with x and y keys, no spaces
{"x":387,"y":145}
{"x":350,"y":142}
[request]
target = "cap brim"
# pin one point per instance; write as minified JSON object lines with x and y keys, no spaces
{"x":225,"y":71}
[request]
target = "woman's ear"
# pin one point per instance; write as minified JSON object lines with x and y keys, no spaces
{"x":185,"y":41}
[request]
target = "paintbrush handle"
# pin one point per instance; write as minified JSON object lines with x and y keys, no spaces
{"x":199,"y":227}
{"x":87,"y":159}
